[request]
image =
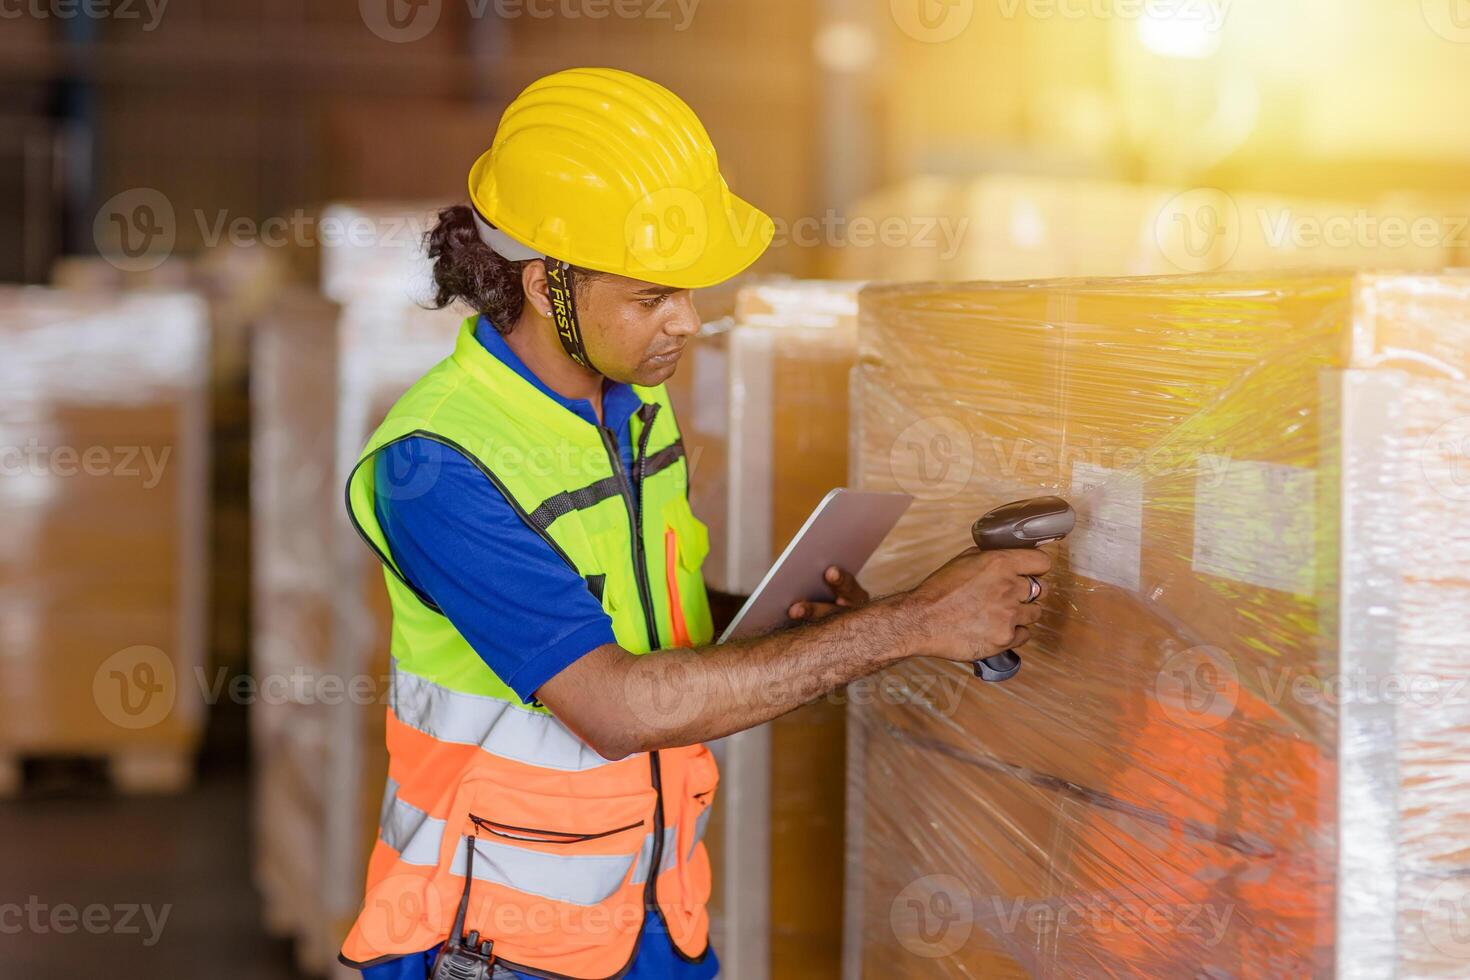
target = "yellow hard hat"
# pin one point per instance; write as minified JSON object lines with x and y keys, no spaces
{"x":609,"y":171}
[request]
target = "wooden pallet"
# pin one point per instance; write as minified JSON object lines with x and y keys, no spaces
{"x":131,"y":772}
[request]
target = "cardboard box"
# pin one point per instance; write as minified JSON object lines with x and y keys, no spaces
{"x":105,"y":420}
{"x":237,"y":283}
{"x":1203,"y":764}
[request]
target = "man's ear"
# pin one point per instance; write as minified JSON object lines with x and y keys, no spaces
{"x":534,"y":285}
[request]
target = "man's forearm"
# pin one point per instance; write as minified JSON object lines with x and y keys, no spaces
{"x":682,"y":696}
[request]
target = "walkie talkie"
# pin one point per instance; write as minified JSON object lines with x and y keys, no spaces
{"x":465,"y":957}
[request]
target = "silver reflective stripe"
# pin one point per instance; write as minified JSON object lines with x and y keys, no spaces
{"x":580,"y":879}
{"x":700,"y":824}
{"x":665,"y":861}
{"x":507,"y":730}
{"x":411,"y":832}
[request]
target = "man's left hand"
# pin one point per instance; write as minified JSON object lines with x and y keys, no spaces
{"x":848,"y":595}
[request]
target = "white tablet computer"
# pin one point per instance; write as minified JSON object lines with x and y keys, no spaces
{"x":844,"y":530}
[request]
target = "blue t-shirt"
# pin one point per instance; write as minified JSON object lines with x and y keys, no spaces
{"x":524,"y":610}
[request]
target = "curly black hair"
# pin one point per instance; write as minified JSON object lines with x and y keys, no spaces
{"x":469,"y":271}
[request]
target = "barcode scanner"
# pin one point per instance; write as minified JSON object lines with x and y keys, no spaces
{"x":1021,"y":524}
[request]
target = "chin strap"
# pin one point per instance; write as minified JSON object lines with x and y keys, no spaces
{"x":564,"y":312}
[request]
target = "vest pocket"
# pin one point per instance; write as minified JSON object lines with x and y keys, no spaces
{"x":701,"y":777}
{"x":686,"y":545}
{"x":551,"y":871}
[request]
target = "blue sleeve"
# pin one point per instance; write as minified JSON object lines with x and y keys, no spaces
{"x":458,"y":540}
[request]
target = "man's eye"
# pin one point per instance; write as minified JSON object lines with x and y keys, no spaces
{"x":654,"y":301}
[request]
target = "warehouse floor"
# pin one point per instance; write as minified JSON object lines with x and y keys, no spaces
{"x":98,"y":884}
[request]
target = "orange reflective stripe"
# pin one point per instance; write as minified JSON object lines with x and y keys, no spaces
{"x":671,"y":576}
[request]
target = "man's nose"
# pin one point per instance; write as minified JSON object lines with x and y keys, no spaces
{"x":685,"y":322}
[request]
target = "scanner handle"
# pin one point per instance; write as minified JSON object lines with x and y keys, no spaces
{"x":1001,"y":667}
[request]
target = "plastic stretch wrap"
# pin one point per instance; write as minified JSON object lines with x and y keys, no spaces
{"x":103,"y":495}
{"x":323,"y":377}
{"x":375,"y":249}
{"x":1238,"y":743}
{"x":238,"y":283}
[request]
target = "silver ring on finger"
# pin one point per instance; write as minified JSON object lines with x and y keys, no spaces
{"x":1035,"y":590}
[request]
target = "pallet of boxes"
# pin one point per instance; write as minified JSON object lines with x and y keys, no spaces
{"x":762,"y":402}
{"x":1236,"y":746}
{"x":104,"y":407}
{"x":237,"y":283}
{"x":327,"y":365}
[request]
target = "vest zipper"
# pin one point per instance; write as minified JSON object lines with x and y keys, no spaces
{"x":635,"y":519}
{"x":645,"y":594}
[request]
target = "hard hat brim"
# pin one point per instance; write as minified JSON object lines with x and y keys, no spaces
{"x":728,"y":235}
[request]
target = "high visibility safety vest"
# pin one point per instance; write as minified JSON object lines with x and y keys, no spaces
{"x":570,"y":851}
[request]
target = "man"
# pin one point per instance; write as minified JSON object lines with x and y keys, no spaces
{"x":552,"y":680}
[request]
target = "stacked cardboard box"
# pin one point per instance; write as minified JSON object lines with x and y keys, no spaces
{"x":763,"y":407}
{"x":1209,"y":764}
{"x":324,"y":374}
{"x":105,"y":420}
{"x":238,"y":283}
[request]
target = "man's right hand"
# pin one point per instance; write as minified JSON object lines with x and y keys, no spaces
{"x":974,"y":606}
